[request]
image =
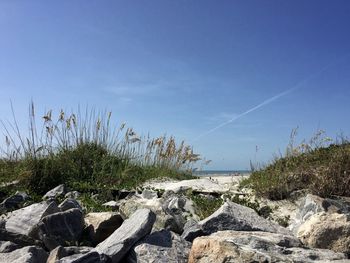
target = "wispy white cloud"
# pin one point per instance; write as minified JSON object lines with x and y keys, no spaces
{"x":220,"y":117}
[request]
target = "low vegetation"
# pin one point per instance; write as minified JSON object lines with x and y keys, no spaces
{"x":321,"y":166}
{"x":86,"y":152}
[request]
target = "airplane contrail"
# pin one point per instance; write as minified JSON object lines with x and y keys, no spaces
{"x":270,"y":100}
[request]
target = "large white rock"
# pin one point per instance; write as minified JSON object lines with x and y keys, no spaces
{"x":242,"y":246}
{"x":172,"y":210}
{"x":327,"y":230}
{"x":232,"y":216}
{"x":160,"y":247}
{"x":117,"y":245}
{"x":102,"y":225}
{"x":59,"y":190}
{"x":22,"y":220}
{"x":29,"y":254}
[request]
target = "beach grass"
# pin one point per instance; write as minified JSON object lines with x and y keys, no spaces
{"x":86,"y":151}
{"x":320,"y":166}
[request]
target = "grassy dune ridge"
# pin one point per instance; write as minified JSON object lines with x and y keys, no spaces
{"x":85,"y":150}
{"x":320,"y":165}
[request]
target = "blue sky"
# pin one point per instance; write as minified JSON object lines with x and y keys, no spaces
{"x":184,"y":67}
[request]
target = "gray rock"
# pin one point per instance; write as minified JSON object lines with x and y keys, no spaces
{"x":192,"y":229}
{"x":149,"y":194}
{"x":102,"y":225}
{"x":59,"y":228}
{"x":313,"y":204}
{"x":172,"y":210}
{"x":112,"y":204}
{"x":29,"y":254}
{"x":58,"y":191}
{"x":232,"y":216}
{"x":132,"y":230}
{"x":242,"y":246}
{"x":70,"y":203}
{"x":21,"y":221}
{"x":8,"y":246}
{"x":160,"y":247}
{"x":89,"y":257}
{"x":61,"y":252}
{"x":19,"y":239}
{"x":326,"y":230}
{"x":13,"y":202}
{"x":72,"y":194}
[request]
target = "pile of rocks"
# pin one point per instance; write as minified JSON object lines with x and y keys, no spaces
{"x":148,"y":227}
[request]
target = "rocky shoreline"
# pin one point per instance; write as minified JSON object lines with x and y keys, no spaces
{"x":160,"y":223}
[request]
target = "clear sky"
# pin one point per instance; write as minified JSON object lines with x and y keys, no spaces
{"x":185,"y":68}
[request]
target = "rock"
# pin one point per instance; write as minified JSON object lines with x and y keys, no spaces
{"x":58,"y":191}
{"x":22,"y":220}
{"x":192,"y":229}
{"x":19,"y":239}
{"x":232,"y":216}
{"x":112,"y":204}
{"x":172,"y":210}
{"x":102,"y":225}
{"x":89,"y":257}
{"x":13,"y":202}
{"x":327,"y":230}
{"x":61,"y":252}
{"x":149,"y":194}
{"x":122,"y":194}
{"x":70,"y":203}
{"x":72,"y":194}
{"x":29,"y":254}
{"x":242,"y":246}
{"x":313,"y":204}
{"x":132,"y":230}
{"x":59,"y":228}
{"x":8,"y":246}
{"x":160,"y":247}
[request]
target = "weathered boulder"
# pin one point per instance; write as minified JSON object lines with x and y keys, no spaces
{"x":89,"y":257}
{"x":242,"y":246}
{"x":102,"y":225}
{"x":8,"y":246}
{"x":160,"y":247}
{"x":21,"y":221}
{"x":172,"y":210}
{"x":13,"y":202}
{"x":313,"y":204}
{"x":327,"y":230}
{"x":58,"y":191}
{"x":19,"y":239}
{"x":61,"y":252}
{"x":29,"y":254}
{"x":232,"y":216}
{"x":149,"y":194}
{"x":59,"y":228}
{"x":117,"y":245}
{"x":70,"y":203}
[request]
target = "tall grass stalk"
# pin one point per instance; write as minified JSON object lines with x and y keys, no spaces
{"x":88,"y":146}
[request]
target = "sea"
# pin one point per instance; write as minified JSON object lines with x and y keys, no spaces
{"x":221,"y":172}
